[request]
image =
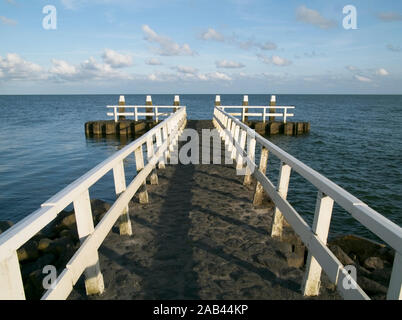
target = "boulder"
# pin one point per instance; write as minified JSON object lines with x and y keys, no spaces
{"x":4,"y":225}
{"x":373,"y":263}
{"x":44,"y":244}
{"x":341,"y":255}
{"x":361,"y":248}
{"x":28,"y":251}
{"x":371,"y":287}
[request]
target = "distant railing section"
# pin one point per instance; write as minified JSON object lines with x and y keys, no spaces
{"x":142,"y":111}
{"x":265,"y":112}
{"x":159,"y":143}
{"x":241,"y":142}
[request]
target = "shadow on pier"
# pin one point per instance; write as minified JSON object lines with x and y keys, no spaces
{"x":200,"y":237}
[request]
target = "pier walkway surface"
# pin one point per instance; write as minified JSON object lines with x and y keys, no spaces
{"x":200,"y":237}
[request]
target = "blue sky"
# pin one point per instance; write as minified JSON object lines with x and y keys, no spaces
{"x":194,"y":46}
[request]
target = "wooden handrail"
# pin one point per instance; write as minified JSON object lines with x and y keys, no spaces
{"x":315,"y":240}
{"x":77,"y":193}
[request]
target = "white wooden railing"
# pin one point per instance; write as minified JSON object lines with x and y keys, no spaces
{"x":245,"y":112}
{"x":235,"y":135}
{"x":142,"y":111}
{"x":159,"y":143}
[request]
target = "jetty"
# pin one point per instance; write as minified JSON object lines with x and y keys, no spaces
{"x":198,"y":218}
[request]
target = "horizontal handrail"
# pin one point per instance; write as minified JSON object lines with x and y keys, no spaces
{"x":154,"y":113}
{"x":388,"y":231}
{"x":166,"y":134}
{"x":271,"y":112}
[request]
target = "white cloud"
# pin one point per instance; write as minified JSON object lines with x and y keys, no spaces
{"x":390,"y":16}
{"x":229,"y":64}
{"x":382,"y":72}
{"x":212,"y":34}
{"x":352,"y":68}
{"x":362,"y":78}
{"x":153,"y":62}
{"x":313,"y":17}
{"x":90,"y":69}
{"x":167,"y":47}
{"x":116,"y":60}
{"x":218,"y":76}
{"x":7,"y":21}
{"x":186,"y":70}
{"x":13,"y":67}
{"x":279,"y":61}
{"x":267,"y":46}
{"x":276,"y":60}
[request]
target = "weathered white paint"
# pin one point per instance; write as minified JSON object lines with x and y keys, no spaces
{"x":120,"y":186}
{"x":11,"y":286}
{"x":395,"y":283}
{"x":150,"y":153}
{"x":122,"y":99}
{"x":243,"y":137}
{"x":273,"y":98}
{"x":283,"y":185}
{"x":218,"y":98}
{"x":251,"y":143}
{"x":378,"y":224}
{"x":177,"y":99}
{"x":245,"y":98}
{"x":259,"y":190}
{"x":321,"y":223}
{"x":85,"y":227}
{"x":148,"y":99}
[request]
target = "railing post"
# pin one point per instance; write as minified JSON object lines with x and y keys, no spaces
{"x":245,"y":103}
{"x":85,"y":226}
{"x":235,"y":140}
{"x":217,"y":101}
{"x":156,"y":114}
{"x":11,"y":285}
{"x":148,"y":102}
{"x":264,"y":114}
{"x":251,"y":155}
{"x":243,"y":111}
{"x":284,"y":114}
{"x":120,"y":186}
{"x":272,"y":103}
{"x":322,"y":221}
{"x":243,"y":137}
{"x":283,"y":184}
{"x":176,"y":102}
{"x":139,"y":162}
{"x":161,"y":164}
{"x":122,"y":102}
{"x":259,"y":190}
{"x":136,"y":113}
{"x":150,"y":152}
{"x":395,"y":284}
{"x":115,"y":114}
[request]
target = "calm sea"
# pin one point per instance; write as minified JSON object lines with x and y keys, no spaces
{"x":356,"y":141}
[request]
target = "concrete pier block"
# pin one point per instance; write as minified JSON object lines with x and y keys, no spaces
{"x":288,"y":129}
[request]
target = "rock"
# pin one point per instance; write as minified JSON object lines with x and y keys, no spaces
{"x":371,"y":287}
{"x":341,"y":255}
{"x":44,"y":244}
{"x":360,"y":247}
{"x":68,"y":221}
{"x":60,"y":246}
{"x":99,"y":208}
{"x":39,"y":264}
{"x":373,"y":263}
{"x":4,"y":225}
{"x":28,"y":251}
